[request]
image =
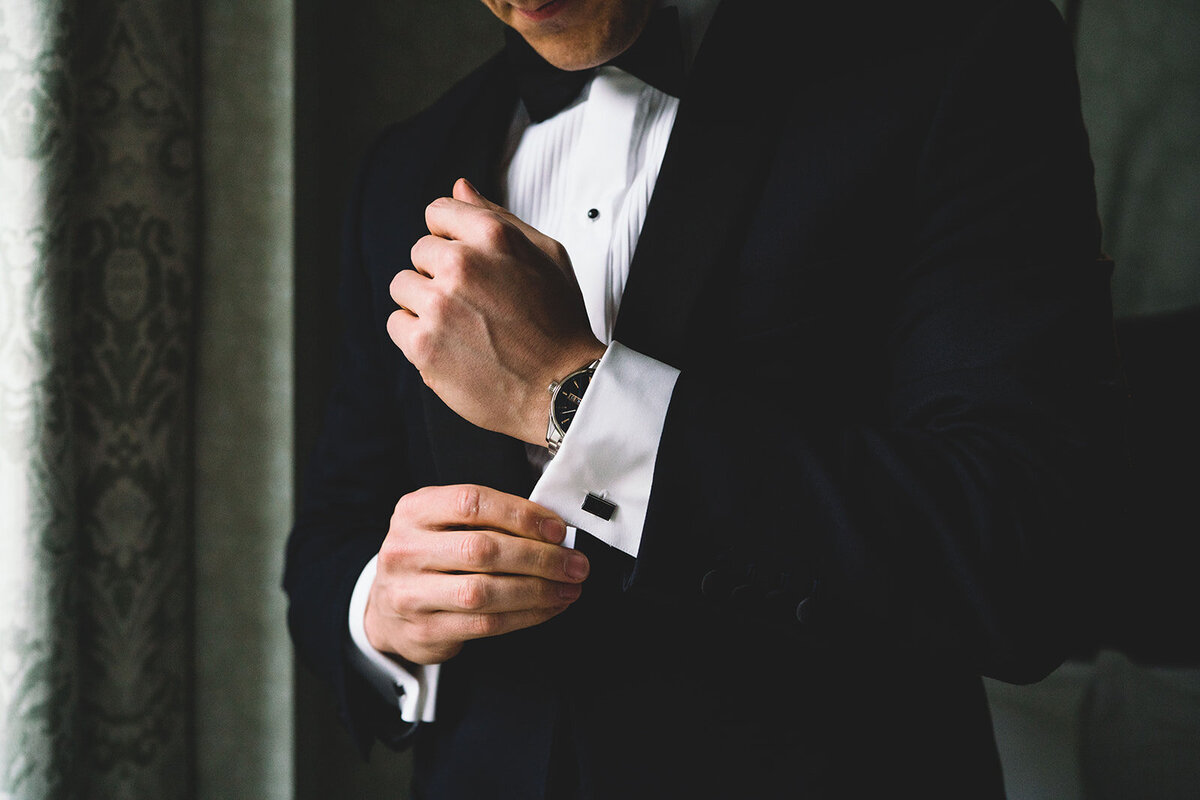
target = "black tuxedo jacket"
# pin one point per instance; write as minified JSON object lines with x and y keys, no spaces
{"x":873,"y":253}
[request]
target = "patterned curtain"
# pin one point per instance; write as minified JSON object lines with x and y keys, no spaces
{"x":39,"y":553}
{"x":98,"y":240}
{"x":106,"y":689}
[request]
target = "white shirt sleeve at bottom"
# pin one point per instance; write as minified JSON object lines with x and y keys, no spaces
{"x":413,"y":687}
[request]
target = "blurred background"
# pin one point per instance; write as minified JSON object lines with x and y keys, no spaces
{"x":172,"y":178}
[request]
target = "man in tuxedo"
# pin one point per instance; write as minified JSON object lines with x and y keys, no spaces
{"x":831,"y":403}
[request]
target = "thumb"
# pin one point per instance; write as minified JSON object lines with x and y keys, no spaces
{"x":466,"y":192}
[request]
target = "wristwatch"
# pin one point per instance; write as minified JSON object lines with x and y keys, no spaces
{"x":565,"y":397}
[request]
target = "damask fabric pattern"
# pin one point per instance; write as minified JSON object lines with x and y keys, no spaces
{"x":98,"y":240}
{"x":38,"y":639}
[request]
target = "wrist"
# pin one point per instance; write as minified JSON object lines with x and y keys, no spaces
{"x":576,"y":358}
{"x":538,"y":405}
{"x":566,"y":393}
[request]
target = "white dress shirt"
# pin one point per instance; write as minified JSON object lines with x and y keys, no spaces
{"x":584,"y":177}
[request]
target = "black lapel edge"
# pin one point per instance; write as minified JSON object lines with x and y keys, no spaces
{"x":716,"y":158}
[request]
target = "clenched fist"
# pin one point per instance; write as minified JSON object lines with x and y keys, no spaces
{"x":490,"y":314}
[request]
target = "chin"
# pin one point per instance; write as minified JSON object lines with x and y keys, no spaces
{"x":573,"y":54}
{"x":586,"y":35}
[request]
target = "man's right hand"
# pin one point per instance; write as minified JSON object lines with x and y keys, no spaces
{"x":466,"y":562}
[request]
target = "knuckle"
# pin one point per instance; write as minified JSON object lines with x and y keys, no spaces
{"x":421,"y":346}
{"x":413,"y":340}
{"x":548,"y":561}
{"x":524,"y":519}
{"x":392,"y":558}
{"x":440,"y":303}
{"x":453,"y":264}
{"x":419,"y":248}
{"x":432,"y":209}
{"x":484,"y":624}
{"x":466,"y":502}
{"x":494,"y":230}
{"x":472,"y":594}
{"x":407,"y":506}
{"x":398,"y":599}
{"x":397,"y":547}
{"x":402,"y":508}
{"x":423,"y":635}
{"x":406,"y":553}
{"x":478,"y":550}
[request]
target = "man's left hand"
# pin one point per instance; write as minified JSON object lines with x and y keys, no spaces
{"x":491,"y":314}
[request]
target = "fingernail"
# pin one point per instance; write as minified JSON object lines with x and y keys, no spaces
{"x":552,"y":530}
{"x":569,"y":591}
{"x":471,"y":187}
{"x":577,"y":566}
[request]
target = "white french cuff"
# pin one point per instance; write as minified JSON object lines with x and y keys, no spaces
{"x":414,"y":687}
{"x":607,"y":457}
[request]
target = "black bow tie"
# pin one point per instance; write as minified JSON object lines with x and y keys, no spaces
{"x":656,"y":58}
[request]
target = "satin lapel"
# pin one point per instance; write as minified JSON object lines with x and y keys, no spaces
{"x":462,"y":452}
{"x":714,"y":165}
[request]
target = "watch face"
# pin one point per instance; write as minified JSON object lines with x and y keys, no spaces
{"x":566,"y":401}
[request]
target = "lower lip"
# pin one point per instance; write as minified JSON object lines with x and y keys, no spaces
{"x":544,"y":12}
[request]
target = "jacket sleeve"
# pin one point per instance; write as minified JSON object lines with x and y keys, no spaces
{"x":356,"y":474}
{"x":950,"y":522}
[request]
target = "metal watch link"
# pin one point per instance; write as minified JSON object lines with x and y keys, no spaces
{"x":565,"y":397}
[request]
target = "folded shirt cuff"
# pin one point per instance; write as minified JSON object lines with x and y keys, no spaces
{"x":605,"y":466}
{"x":412,"y":686}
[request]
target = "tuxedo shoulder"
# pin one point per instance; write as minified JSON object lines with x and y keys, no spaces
{"x":948,"y":12}
{"x":932,"y":22}
{"x":930,"y":35}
